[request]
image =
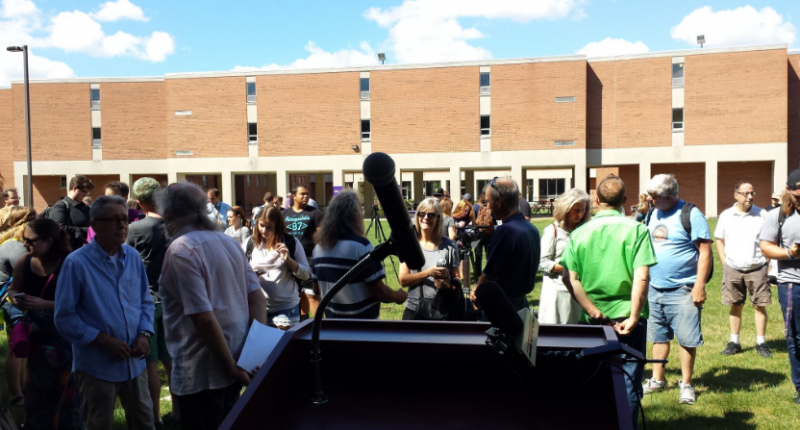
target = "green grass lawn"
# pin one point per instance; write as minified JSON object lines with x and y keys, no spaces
{"x":733,"y":393}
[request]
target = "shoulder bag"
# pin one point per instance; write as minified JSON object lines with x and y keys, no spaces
{"x":19,"y":343}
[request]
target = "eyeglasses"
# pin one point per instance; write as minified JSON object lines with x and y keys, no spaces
{"x":428,"y":215}
{"x":114,"y":220}
{"x":30,"y":241}
{"x":746,"y":193}
{"x":656,"y":197}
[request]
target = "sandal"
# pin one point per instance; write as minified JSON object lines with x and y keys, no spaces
{"x":17,"y":401}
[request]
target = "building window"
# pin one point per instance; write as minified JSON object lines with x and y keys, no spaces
{"x":406,"y":190}
{"x":677,"y":120}
{"x":529,"y":190}
{"x":258,"y":181}
{"x":251,"y":92}
{"x":486,"y":83}
{"x":481,"y":183}
{"x":252,"y":132}
{"x":486,"y":129}
{"x":95,"y":98}
{"x":364,"y":88}
{"x":365,"y":129}
{"x":96,"y":137}
{"x":551,"y":188}
{"x":63,"y":183}
{"x":205,"y":181}
{"x":677,"y":75}
{"x":248,"y":181}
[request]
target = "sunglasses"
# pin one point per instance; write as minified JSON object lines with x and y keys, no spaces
{"x":30,"y":241}
{"x":428,"y":215}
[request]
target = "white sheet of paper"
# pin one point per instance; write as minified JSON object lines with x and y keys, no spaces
{"x":260,"y":342}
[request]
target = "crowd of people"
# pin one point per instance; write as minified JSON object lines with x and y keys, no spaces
{"x":108,"y":290}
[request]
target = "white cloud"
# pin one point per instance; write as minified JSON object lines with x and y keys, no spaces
{"x":428,"y":30}
{"x":318,"y":58}
{"x":158,"y":46}
{"x":609,"y":47}
{"x":742,"y":26}
{"x":118,"y":10}
{"x":38,"y":68}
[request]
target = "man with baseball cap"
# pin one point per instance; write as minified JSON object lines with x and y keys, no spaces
{"x":776,"y":202}
{"x":780,"y":240}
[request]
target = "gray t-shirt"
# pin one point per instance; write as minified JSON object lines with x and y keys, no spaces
{"x":446,"y":224}
{"x":788,"y":270}
{"x":10,"y":252}
{"x":447,"y":250}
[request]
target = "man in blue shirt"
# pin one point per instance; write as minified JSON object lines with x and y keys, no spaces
{"x":677,"y":282}
{"x":104,"y":308}
{"x":514,"y":255}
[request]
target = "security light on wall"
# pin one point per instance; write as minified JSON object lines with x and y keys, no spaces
{"x":701,"y":39}
{"x":355,"y":148}
{"x":382,"y":57}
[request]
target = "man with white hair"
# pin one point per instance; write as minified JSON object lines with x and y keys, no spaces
{"x":682,"y":242}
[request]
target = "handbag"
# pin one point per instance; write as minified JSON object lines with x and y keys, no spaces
{"x":20,"y":344}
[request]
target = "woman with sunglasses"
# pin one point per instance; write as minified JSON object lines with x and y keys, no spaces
{"x":11,"y":250}
{"x":238,"y":226}
{"x":51,"y":397}
{"x":436,"y":278}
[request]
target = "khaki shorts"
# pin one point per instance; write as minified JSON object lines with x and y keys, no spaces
{"x":736,"y":285}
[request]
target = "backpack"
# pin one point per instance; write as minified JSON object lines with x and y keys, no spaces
{"x":781,"y":220}
{"x":485,"y":218}
{"x":686,"y":222}
{"x":46,"y":212}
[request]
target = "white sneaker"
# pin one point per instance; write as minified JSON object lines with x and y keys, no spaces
{"x":687,"y":393}
{"x":651,"y":385}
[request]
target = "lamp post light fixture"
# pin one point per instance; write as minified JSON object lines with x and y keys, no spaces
{"x":382,"y":57}
{"x":701,"y":39}
{"x":29,"y":185}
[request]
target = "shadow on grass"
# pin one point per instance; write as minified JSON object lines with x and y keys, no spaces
{"x":729,"y":379}
{"x":731,"y":421}
{"x":777,"y":346}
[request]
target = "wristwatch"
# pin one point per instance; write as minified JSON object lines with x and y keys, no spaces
{"x":145,"y":333}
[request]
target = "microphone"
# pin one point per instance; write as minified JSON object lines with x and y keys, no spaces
{"x":379,"y":171}
{"x":513,"y":333}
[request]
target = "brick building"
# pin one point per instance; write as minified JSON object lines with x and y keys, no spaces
{"x":710,"y":116}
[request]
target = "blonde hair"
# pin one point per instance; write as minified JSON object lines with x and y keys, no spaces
{"x":644,"y":207}
{"x":464,"y":208}
{"x":430,"y":204}
{"x":565,"y":202}
{"x":18,"y":219}
{"x":447,"y":206}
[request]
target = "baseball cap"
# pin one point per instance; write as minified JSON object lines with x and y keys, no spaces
{"x":439,"y":192}
{"x":776,"y":196}
{"x":793,"y":182}
{"x":468,"y":197}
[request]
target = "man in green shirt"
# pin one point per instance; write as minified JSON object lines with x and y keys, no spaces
{"x":606,"y":268}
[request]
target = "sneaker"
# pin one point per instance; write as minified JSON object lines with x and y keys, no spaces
{"x":763,"y":350}
{"x":687,"y":394}
{"x":732,"y":348}
{"x":797,"y":398}
{"x":651,"y":385}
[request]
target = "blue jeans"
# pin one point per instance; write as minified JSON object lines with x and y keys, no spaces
{"x":638,"y":341}
{"x":792,"y":328}
{"x":285,"y":318}
{"x":673,"y":314}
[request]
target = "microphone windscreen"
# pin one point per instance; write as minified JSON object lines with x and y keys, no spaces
{"x":379,"y":169}
{"x":498,"y":308}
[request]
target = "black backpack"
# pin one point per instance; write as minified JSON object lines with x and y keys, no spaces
{"x":686,"y":222}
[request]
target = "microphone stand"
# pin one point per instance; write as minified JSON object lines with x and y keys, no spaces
{"x":377,"y":255}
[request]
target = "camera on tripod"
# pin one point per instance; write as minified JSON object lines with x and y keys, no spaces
{"x":469,"y":236}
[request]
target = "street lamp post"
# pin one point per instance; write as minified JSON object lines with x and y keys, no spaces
{"x":29,"y":186}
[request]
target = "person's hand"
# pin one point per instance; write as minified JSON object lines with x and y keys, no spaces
{"x":442,"y":284}
{"x":794,"y":251}
{"x":29,"y":303}
{"x":118,"y":349}
{"x":474,"y":298}
{"x":699,"y":294}
{"x":141,"y":346}
{"x":402,"y":296}
{"x":283,"y":251}
{"x":599,"y":319}
{"x":240,"y":375}
{"x":625,"y":327}
{"x":437,"y":272}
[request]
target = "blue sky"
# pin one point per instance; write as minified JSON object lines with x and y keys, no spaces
{"x":83,"y":38}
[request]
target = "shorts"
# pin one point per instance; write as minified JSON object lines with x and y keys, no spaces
{"x":736,"y":285}
{"x":285,"y":318}
{"x":158,"y":344}
{"x":673,"y":314}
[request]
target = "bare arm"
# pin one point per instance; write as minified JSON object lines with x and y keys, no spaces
{"x":408,"y":279}
{"x":573,"y":283}
{"x":721,"y":250}
{"x":384,"y":294}
{"x":703,"y":266}
{"x":257,"y":305}
{"x":768,"y":249}
{"x":208,"y":328}
{"x":451,"y":232}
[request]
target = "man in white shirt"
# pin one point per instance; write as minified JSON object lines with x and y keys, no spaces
{"x":744,"y":267}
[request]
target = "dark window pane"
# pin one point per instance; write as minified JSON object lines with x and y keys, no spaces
{"x":677,"y":70}
{"x":485,"y":80}
{"x":485,"y":122}
{"x":251,"y":88}
{"x":364,"y":84}
{"x":677,"y":115}
{"x":542,"y":188}
{"x":96,"y":133}
{"x":560,"y":186}
{"x":252,"y":128}
{"x":95,"y":95}
{"x":365,"y":126}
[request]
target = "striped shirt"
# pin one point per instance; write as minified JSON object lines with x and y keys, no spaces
{"x":354,"y":300}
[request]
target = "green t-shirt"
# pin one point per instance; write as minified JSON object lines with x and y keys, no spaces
{"x":604,"y":252}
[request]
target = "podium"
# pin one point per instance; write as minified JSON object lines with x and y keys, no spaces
{"x":415,"y":375}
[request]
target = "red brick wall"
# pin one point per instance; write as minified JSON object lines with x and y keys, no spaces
{"x":6,"y":140}
{"x":794,"y":112}
{"x":162,"y":179}
{"x":47,"y":191}
{"x":134,"y":121}
{"x":525,"y":115}
{"x":100,"y":182}
{"x":736,"y":98}
{"x":630,"y":175}
{"x":634,"y":98}
{"x":759,"y":174}
{"x":217,"y":126}
{"x":691,"y":181}
{"x":61,"y":123}
{"x":252,"y":195}
{"x":425,"y":110}
{"x":311,"y":114}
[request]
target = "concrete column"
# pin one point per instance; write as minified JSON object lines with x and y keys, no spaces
{"x":319,"y":188}
{"x":711,"y":189}
{"x":455,"y":184}
{"x":126,"y":178}
{"x":282,"y":184}
{"x":369,"y":199}
{"x":469,"y":183}
{"x":172,"y":177}
{"x":580,"y":175}
{"x":779,"y":173}
{"x":338,"y":178}
{"x":644,"y":178}
{"x":419,"y":192}
{"x":228,"y":191}
{"x":272,"y":185}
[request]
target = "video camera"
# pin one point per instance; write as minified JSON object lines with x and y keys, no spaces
{"x":470,"y":235}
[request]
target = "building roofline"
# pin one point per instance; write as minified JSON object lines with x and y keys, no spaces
{"x":688,"y":52}
{"x":97,"y":80}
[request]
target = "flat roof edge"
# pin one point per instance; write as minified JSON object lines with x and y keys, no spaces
{"x":689,"y":52}
{"x":95,"y":80}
